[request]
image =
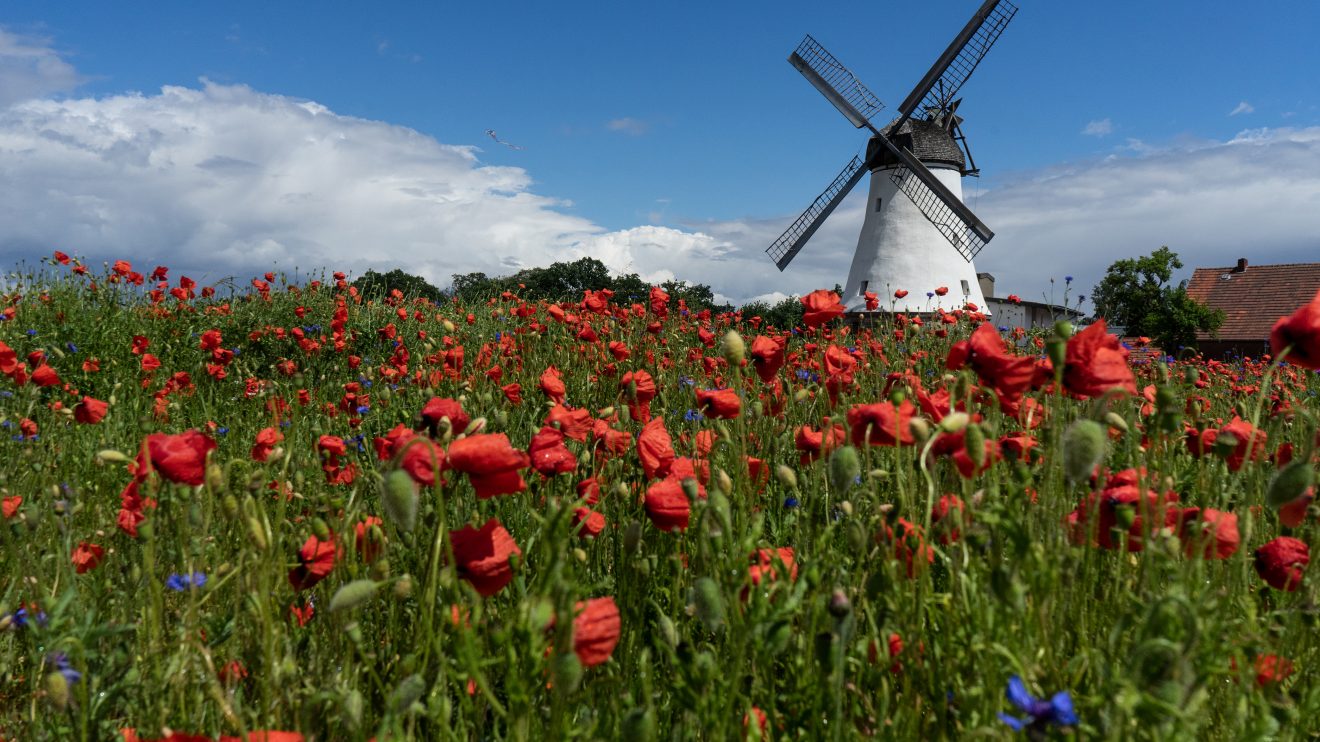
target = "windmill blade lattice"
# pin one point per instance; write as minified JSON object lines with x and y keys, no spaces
{"x":958,"y":62}
{"x":962,"y":235}
{"x":784,"y":249}
{"x":834,"y":81}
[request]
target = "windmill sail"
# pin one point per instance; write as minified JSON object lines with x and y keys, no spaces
{"x":967,"y":233}
{"x":957,"y":62}
{"x":834,"y":81}
{"x":784,"y":249}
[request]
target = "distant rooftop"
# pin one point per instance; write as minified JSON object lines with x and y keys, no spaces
{"x":1254,"y":297}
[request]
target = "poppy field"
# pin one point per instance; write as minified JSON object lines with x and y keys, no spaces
{"x":279,"y":511}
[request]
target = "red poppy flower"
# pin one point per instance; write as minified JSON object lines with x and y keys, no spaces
{"x":90,"y":411}
{"x":1293,"y":514}
{"x":821,"y":306}
{"x":44,"y":376}
{"x":1282,"y":562}
{"x":767,"y":357}
{"x":985,"y":351}
{"x":947,"y":518}
{"x":1208,"y":533}
{"x":316,"y":559}
{"x":766,"y":565}
{"x":438,"y":407}
{"x":423,"y":459}
{"x":908,"y":545}
{"x":1300,"y":331}
{"x":638,"y":390}
{"x":1272,"y":669}
{"x":655,"y":449}
{"x":9,"y":506}
{"x":548,"y":453}
{"x":1250,"y":444}
{"x":86,"y":556}
{"x":595,"y":631}
{"x":941,"y":291}
{"x":1096,"y":362}
{"x":513,"y":393}
{"x":816,"y":443}
{"x":302,"y":614}
{"x":367,"y":546}
{"x":482,"y":556}
{"x":266,"y":441}
{"x":723,"y":404}
{"x":576,"y":424}
{"x":882,"y":424}
{"x":552,"y":383}
{"x":667,"y":505}
{"x":490,"y":462}
{"x":178,"y":458}
{"x":899,"y":294}
{"x":588,"y":522}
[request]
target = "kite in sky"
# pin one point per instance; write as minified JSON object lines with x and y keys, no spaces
{"x":491,"y":133}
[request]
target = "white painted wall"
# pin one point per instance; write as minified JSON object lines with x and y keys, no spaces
{"x":900,"y":249}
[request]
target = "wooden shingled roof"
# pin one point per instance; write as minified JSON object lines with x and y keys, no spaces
{"x":1254,"y":297}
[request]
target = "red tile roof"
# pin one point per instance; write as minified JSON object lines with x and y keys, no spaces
{"x":1256,"y":297}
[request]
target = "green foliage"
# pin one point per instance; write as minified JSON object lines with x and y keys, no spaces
{"x":377,"y":286}
{"x":1135,"y":294}
{"x":782,"y":315}
{"x":565,"y":282}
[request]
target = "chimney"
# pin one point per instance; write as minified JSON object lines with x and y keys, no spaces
{"x":1241,"y":266}
{"x":987,"y":282}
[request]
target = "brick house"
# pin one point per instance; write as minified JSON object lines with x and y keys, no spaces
{"x":1252,"y":299}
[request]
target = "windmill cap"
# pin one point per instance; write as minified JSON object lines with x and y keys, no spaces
{"x":927,"y":140}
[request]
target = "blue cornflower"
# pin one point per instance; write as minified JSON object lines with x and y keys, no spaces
{"x":691,"y":415}
{"x":790,"y":502}
{"x":181,"y":582}
{"x":22,"y":618}
{"x":363,"y":409}
{"x":930,"y":294}
{"x":60,"y":662}
{"x":71,"y":347}
{"x":32,"y":333}
{"x":1058,"y":710}
{"x":222,"y":431}
{"x":498,"y":336}
{"x":1067,"y":279}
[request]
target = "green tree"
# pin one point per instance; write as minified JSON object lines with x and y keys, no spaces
{"x":782,"y":315}
{"x":373,"y":285}
{"x":1136,"y":294}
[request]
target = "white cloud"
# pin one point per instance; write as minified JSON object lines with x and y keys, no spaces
{"x":1243,"y":107}
{"x":226,"y":180}
{"x":1099,"y":128}
{"x":30,"y":68}
{"x":628,"y":125}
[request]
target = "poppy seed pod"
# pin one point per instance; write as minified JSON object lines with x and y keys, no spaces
{"x":1289,"y":483}
{"x":398,"y":498}
{"x":1083,"y":449}
{"x":845,"y":468}
{"x":352,"y":595}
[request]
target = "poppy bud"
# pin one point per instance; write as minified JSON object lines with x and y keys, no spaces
{"x":57,"y":690}
{"x":786,"y":476}
{"x":409,"y":690}
{"x":353,"y":704}
{"x":567,"y":672}
{"x":952,"y":422}
{"x":321,"y":530}
{"x":801,"y":395}
{"x":352,"y":595}
{"x":839,"y":605}
{"x":1116,"y":421}
{"x":733,"y":348}
{"x":256,"y":532}
{"x":1057,"y":350}
{"x":1083,"y":449}
{"x":111,"y":456}
{"x":690,"y":488}
{"x":1165,"y":399}
{"x":230,"y":506}
{"x":1063,"y":329}
{"x":974,"y":444}
{"x":399,"y":500}
{"x":779,"y":636}
{"x":667,"y":631}
{"x":723,"y":483}
{"x":845,"y":467}
{"x":476,"y":426}
{"x":380,"y":569}
{"x":639,"y":725}
{"x":216,"y":481}
{"x":403,"y":587}
{"x":709,"y":603}
{"x":1289,"y":483}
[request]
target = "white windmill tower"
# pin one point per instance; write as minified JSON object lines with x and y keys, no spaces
{"x":927,"y":238}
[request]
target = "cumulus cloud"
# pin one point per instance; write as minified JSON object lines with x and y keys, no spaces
{"x":31,"y":68}
{"x":1243,"y":107}
{"x":1100,"y":128}
{"x":225,"y":180}
{"x":628,"y":125}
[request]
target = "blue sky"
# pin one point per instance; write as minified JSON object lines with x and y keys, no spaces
{"x":648,"y":131}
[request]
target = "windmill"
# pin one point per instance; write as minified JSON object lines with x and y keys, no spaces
{"x":928,"y":237}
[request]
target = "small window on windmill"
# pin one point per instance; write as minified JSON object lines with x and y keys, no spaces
{"x":966,"y":289}
{"x":878,"y":201}
{"x":862,"y":290}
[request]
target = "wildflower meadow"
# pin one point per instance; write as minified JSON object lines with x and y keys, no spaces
{"x":277,"y":510}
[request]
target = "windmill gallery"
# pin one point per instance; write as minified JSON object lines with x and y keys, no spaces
{"x":927,"y":237}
